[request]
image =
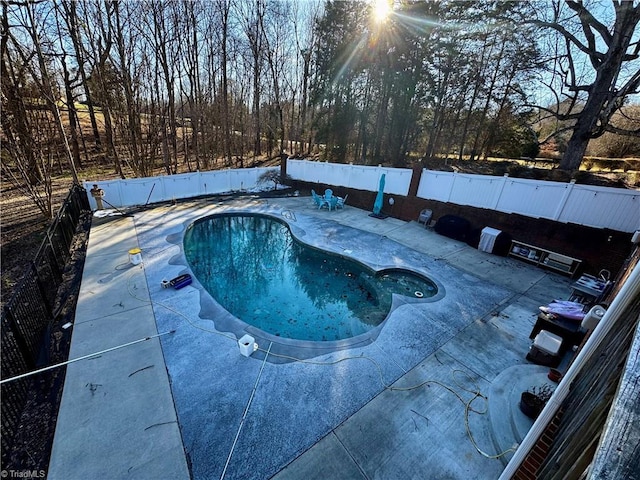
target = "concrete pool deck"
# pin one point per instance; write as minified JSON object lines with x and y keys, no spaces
{"x":188,"y":404}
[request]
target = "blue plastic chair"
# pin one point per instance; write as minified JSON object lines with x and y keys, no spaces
{"x":318,"y":200}
{"x":328,"y":198}
{"x":341,"y":201}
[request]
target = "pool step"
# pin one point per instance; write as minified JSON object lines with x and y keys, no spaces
{"x":509,"y":425}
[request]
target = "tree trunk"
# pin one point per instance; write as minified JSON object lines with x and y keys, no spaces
{"x":72,"y":113}
{"x":71,"y":19}
{"x":306,"y":58}
{"x":133,"y":115}
{"x":47,"y":92}
{"x":481,"y":124}
{"x":169,"y":132}
{"x":583,"y":131}
{"x":194,"y":98}
{"x":15,"y":123}
{"x":479,"y":77}
{"x":255,"y":51}
{"x":603,"y":99}
{"x":226,"y":134}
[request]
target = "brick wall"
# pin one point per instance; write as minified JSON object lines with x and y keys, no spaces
{"x":598,"y":248}
{"x":528,"y":470}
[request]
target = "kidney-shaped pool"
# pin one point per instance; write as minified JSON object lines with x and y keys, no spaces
{"x":255,"y":269}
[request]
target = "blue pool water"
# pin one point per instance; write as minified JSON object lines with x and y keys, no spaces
{"x":257,"y":271}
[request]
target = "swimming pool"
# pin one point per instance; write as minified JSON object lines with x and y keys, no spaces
{"x":255,"y":269}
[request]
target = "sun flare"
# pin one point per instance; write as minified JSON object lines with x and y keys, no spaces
{"x":381,"y":10}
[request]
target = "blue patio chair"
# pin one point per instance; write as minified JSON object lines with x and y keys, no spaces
{"x":328,"y":194}
{"x":317,"y":199}
{"x":332,"y":203}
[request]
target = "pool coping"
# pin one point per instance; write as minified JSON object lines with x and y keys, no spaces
{"x":283,"y":349}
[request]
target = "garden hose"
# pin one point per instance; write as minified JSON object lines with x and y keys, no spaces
{"x":468,"y":404}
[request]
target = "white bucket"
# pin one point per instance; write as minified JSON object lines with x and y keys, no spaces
{"x":247,"y":345}
{"x":593,"y":317}
{"x":135,"y":256}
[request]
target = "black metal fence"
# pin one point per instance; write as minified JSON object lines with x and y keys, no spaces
{"x":28,"y":314}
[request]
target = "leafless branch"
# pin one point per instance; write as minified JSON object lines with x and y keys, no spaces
{"x":622,"y":131}
{"x":554,"y":134}
{"x":588,"y":22}
{"x":594,"y":56}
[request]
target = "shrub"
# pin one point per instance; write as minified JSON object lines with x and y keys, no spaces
{"x":275,"y":177}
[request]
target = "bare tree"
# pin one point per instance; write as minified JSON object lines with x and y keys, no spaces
{"x":15,"y":121}
{"x":69,"y":14}
{"x":33,"y":26}
{"x":100,"y":84}
{"x":607,"y":49}
{"x":252,"y":15}
{"x":30,"y":135}
{"x":132,"y":128}
{"x":166,"y":46}
{"x":70,"y":83}
{"x":307,"y":46}
{"x":224,"y":8}
{"x":208,"y":125}
{"x":277,"y":48}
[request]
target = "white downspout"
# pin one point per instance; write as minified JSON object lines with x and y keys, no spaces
{"x":627,"y":293}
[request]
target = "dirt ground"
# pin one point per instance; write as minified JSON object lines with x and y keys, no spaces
{"x":22,"y":229}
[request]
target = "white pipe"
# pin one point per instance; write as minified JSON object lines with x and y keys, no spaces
{"x":246,"y":411}
{"x":627,"y":293}
{"x":84,"y":357}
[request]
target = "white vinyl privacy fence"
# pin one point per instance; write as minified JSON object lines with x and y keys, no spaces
{"x":600,"y":207}
{"x":359,"y":177}
{"x":142,"y":191}
{"x":593,"y":206}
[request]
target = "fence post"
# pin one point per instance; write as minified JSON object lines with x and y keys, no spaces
{"x":54,"y":252}
{"x":499,"y":195}
{"x":564,"y":199}
{"x":283,"y":165}
{"x":453,"y":185}
{"x":48,"y":307}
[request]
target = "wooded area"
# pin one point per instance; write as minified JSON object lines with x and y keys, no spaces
{"x":194,"y":85}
